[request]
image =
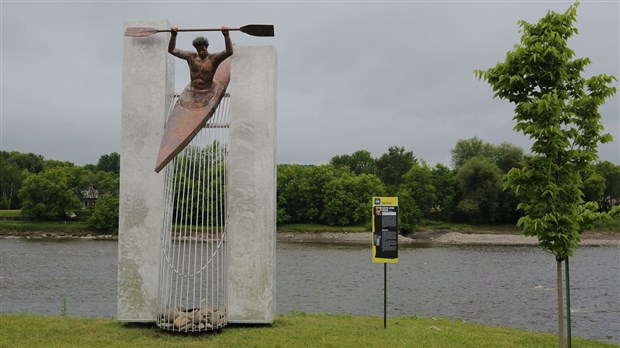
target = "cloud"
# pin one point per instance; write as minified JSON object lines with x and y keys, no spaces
{"x":351,"y":75}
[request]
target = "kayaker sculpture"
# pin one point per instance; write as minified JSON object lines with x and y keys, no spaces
{"x":209,"y":75}
{"x":202,"y":64}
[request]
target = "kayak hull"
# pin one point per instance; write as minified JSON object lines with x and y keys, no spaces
{"x":190,"y":114}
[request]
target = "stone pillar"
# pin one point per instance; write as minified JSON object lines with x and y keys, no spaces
{"x":148,"y":89}
{"x":251,"y":184}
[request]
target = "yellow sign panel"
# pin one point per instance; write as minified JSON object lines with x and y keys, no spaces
{"x":385,"y":229}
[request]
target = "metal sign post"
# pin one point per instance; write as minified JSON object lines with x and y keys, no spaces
{"x":385,"y":295}
{"x":385,"y":238}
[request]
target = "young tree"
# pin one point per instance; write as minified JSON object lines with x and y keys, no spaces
{"x":558,"y":109}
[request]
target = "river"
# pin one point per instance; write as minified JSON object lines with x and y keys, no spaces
{"x":506,"y":286}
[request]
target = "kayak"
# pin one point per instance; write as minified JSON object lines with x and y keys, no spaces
{"x":190,"y":114}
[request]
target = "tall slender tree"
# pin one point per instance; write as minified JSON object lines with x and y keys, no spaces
{"x":558,"y":109}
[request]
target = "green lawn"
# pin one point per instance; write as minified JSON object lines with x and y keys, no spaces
{"x":322,"y":228}
{"x":608,"y":226}
{"x":10,"y":213}
{"x":9,"y":226}
{"x":295,"y":330}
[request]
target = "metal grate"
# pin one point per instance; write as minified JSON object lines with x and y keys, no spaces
{"x":192,"y":283}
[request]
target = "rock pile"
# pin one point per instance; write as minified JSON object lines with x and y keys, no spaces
{"x":198,"y":319}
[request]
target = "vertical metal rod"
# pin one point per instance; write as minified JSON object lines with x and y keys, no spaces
{"x":195,"y":201}
{"x":568,"y":321}
{"x":385,"y":295}
{"x":561,"y":337}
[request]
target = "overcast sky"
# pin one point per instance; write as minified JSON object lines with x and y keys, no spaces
{"x":351,"y":75}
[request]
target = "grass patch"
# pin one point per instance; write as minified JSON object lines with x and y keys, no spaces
{"x":610,"y":226}
{"x":43,"y":226}
{"x":10,"y":213}
{"x":295,"y":330}
{"x":322,"y":228}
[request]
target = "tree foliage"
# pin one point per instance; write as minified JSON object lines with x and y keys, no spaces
{"x":558,"y":109}
{"x":325,"y":194}
{"x":417,"y":195}
{"x":359,"y":162}
{"x":446,"y":193}
{"x":611,"y":192}
{"x":105,"y":214}
{"x":110,"y":163}
{"x":11,"y":178}
{"x":301,"y":192}
{"x":505,"y":155}
{"x":348,"y":198}
{"x":470,"y":148}
{"x":479,"y":180}
{"x":394,"y":164}
{"x":48,"y":195}
{"x":194,"y":181}
{"x":29,"y":161}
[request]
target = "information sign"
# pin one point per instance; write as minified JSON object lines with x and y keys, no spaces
{"x":385,"y":229}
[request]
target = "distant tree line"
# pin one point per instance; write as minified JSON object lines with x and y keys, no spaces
{"x":339,"y":193}
{"x":52,"y":190}
{"x":471,"y":191}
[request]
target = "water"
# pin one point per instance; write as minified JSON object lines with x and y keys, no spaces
{"x":507,"y":286}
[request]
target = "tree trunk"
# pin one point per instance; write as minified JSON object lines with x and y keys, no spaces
{"x":560,"y":303}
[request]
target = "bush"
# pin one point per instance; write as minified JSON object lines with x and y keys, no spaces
{"x":105,"y":215}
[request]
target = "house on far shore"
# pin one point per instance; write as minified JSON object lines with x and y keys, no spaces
{"x":89,"y":197}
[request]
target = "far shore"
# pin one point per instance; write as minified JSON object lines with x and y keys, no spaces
{"x":438,"y":238}
{"x":421,"y":238}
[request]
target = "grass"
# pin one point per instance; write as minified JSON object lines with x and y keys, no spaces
{"x":12,"y":224}
{"x":47,"y":226}
{"x":295,"y":330}
{"x":10,"y":213}
{"x":16,"y":225}
{"x":322,"y":228}
{"x":612,"y":225}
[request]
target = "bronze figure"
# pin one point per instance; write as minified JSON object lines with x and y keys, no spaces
{"x":202,"y":64}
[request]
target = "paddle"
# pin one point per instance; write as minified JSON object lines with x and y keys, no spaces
{"x":251,"y":29}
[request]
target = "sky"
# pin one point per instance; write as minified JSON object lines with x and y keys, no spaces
{"x":352,"y":75}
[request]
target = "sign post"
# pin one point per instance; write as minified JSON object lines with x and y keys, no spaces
{"x":385,"y":238}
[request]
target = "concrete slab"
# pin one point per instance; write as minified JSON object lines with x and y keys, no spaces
{"x":252,"y":186}
{"x":148,"y":89}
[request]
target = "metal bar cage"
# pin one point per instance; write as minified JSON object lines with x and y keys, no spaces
{"x":192,"y":282}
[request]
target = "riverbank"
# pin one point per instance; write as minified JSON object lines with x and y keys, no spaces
{"x":421,"y":238}
{"x":294,"y":330}
{"x":438,"y":238}
{"x":77,"y":234}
